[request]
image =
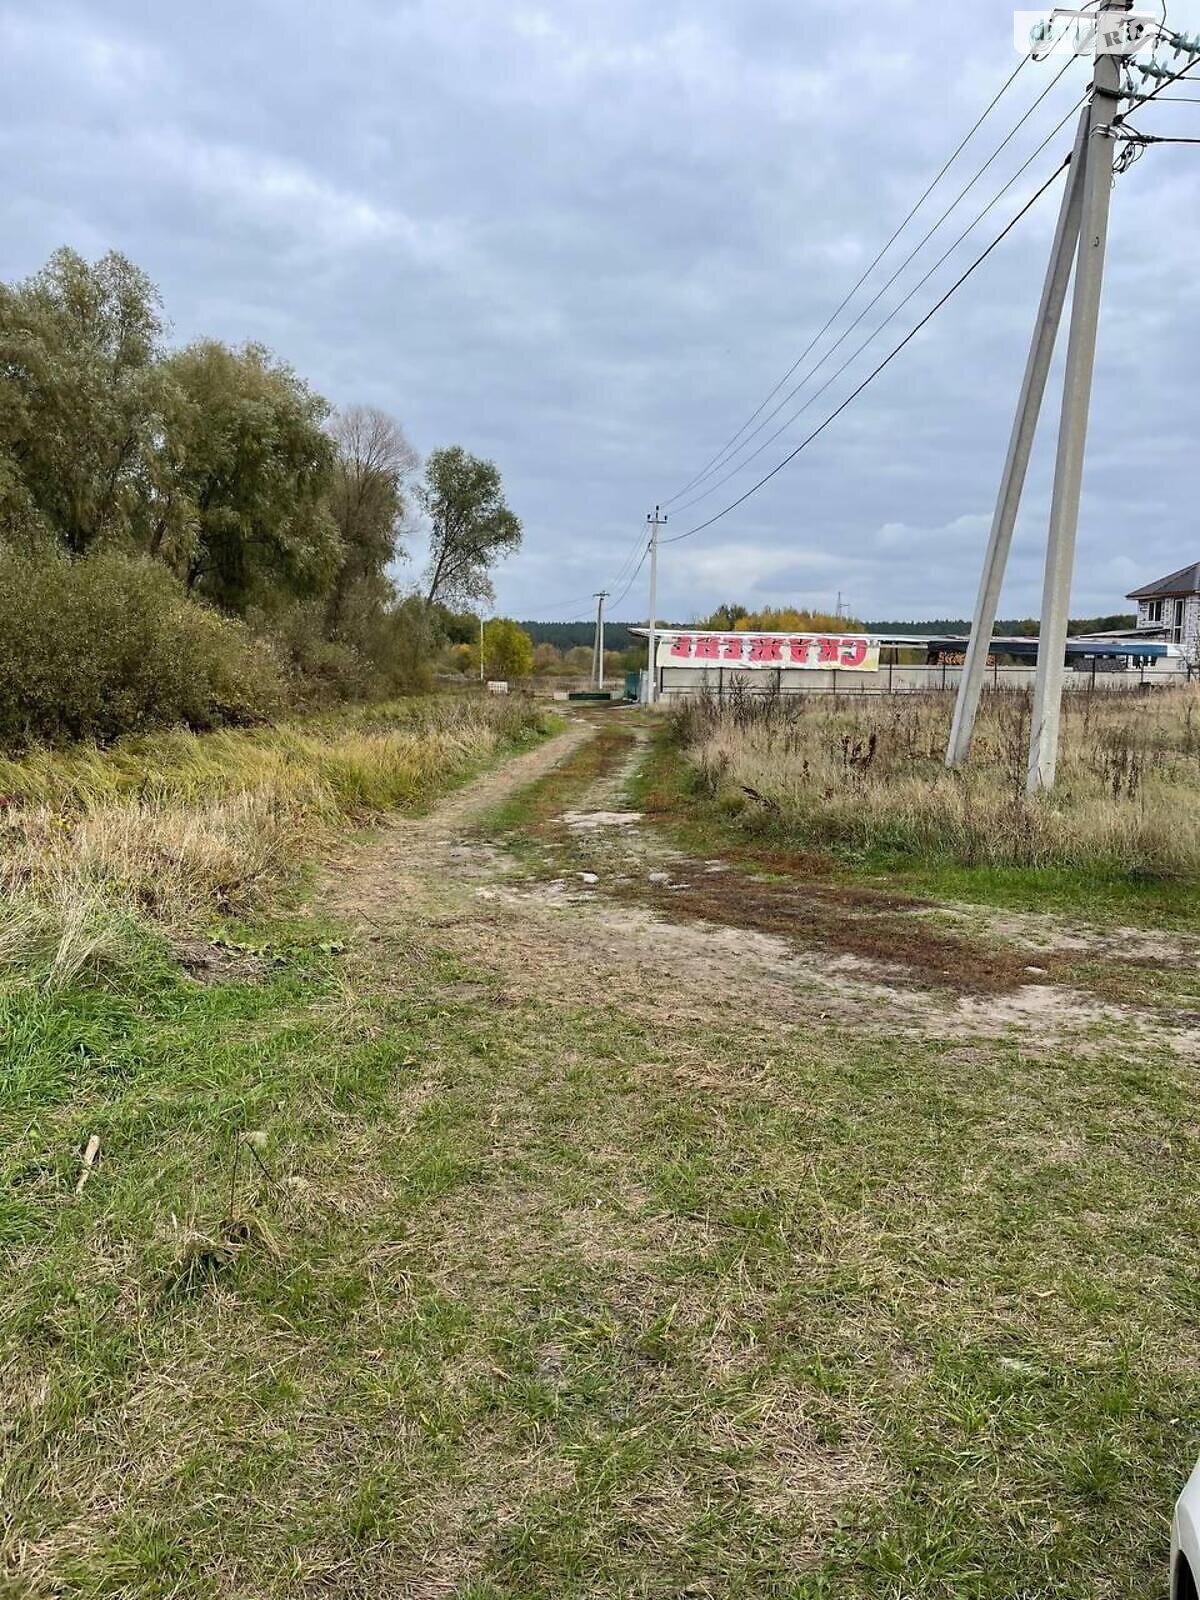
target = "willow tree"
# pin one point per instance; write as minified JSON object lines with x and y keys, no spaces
{"x":253,"y":465}
{"x":80,"y":401}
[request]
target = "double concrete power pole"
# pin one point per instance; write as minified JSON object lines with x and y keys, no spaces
{"x":1079,"y":241}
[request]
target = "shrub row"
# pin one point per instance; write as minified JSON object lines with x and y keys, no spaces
{"x":110,"y":645}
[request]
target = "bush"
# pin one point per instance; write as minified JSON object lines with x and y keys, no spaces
{"x":507,"y":649}
{"x":382,"y":647}
{"x":321,"y":671}
{"x":402,"y":642}
{"x":111,"y":645}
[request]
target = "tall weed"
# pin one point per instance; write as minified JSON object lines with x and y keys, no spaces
{"x":868,"y":775}
{"x":175,"y":827}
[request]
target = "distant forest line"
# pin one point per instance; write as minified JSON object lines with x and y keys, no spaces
{"x":617,"y":635}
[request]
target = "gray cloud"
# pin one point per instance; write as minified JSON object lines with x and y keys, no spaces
{"x":586,"y":241}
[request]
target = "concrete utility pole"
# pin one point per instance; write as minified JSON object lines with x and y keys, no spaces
{"x":656,"y":521}
{"x":598,"y":646}
{"x":1077,"y":394}
{"x":1020,"y":446}
{"x":481,"y":647}
{"x":1080,"y":240}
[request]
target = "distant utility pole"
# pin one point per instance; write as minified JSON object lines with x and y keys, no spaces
{"x":598,"y":646}
{"x":481,"y":647}
{"x":656,"y":521}
{"x":1080,"y":240}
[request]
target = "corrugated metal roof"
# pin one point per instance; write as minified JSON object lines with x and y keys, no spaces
{"x":1185,"y":581}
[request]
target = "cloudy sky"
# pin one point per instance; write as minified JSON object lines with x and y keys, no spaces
{"x":587,"y":241}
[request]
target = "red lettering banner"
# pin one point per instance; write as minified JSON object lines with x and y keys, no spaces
{"x":778,"y":651}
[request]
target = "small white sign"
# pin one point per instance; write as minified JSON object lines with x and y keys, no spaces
{"x":1074,"y":33}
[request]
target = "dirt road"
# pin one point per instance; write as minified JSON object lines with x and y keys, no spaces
{"x":767,"y":1235}
{"x":567,"y":1199}
{"x":616,"y":912}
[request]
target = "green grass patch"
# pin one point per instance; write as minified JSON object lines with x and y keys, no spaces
{"x":537,"y":806}
{"x":1090,"y":893}
{"x":372,"y":1282}
{"x":405,"y":1272}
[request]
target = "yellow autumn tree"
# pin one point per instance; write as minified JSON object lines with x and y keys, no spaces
{"x":785,"y":619}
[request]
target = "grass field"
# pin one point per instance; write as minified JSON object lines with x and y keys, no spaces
{"x":866,"y":778}
{"x":175,"y":828}
{"x":500,"y":1243}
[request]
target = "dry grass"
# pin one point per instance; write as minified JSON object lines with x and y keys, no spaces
{"x":563,"y":1269}
{"x":869,"y":776}
{"x":178,"y":825}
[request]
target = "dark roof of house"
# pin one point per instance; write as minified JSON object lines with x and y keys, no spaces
{"x":1185,"y":581}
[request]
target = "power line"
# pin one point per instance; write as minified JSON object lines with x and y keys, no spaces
{"x":633,"y":579}
{"x":576,"y":600}
{"x":995,"y":100}
{"x":887,"y":360}
{"x":565,"y":605}
{"x":874,"y":301}
{"x":892,"y":314}
{"x":1145,"y":99}
{"x":638,"y":544}
{"x":724,"y":452}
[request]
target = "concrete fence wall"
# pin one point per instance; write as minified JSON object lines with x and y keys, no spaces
{"x":677,"y":682}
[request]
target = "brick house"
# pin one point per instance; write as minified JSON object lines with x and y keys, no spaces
{"x":1170,"y":609}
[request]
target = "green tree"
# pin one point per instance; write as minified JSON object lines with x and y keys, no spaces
{"x":80,"y":401}
{"x":785,"y":619}
{"x":250,"y":467}
{"x":726,"y":617}
{"x":398,"y":639}
{"x":459,"y":627}
{"x":507,"y":649}
{"x":472,"y":527}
